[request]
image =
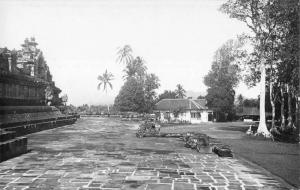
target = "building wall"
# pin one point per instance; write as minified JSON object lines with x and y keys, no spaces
{"x":187,"y":116}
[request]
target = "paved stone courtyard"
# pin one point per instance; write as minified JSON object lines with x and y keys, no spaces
{"x":97,"y":153}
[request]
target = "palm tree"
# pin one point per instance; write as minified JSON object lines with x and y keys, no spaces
{"x":136,"y":68}
{"x":180,"y":92}
{"x":125,"y":54}
{"x":105,"y":79}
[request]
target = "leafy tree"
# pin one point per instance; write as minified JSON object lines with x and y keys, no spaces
{"x":167,"y":94}
{"x":254,"y":14}
{"x":223,"y":78}
{"x":251,"y":102}
{"x":131,"y":96}
{"x":201,"y":97}
{"x":151,"y":84}
{"x":288,"y":54}
{"x":141,"y":96}
{"x":105,"y":80}
{"x":239,"y":103}
{"x":180,"y":92}
{"x":221,"y":100}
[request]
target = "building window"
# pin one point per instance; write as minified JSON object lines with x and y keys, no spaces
{"x":193,"y":115}
{"x":196,"y":115}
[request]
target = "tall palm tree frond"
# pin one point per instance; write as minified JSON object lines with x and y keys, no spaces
{"x":110,"y":85}
{"x":124,"y":54}
{"x":105,"y":79}
{"x":99,"y":86}
{"x":104,"y":86}
{"x":180,"y":92}
{"x":100,"y":78}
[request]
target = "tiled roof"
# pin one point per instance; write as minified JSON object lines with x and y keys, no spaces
{"x":253,"y":111}
{"x":202,"y":103}
{"x":187,"y":104}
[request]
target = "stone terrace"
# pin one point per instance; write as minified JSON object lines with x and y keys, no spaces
{"x":102,"y":153}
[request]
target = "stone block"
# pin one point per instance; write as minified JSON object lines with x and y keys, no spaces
{"x":159,"y":186}
{"x":6,"y":135}
{"x":222,"y":151}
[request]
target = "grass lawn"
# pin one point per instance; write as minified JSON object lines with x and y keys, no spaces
{"x":281,"y":159}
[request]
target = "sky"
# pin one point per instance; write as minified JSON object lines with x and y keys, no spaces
{"x":80,"y":38}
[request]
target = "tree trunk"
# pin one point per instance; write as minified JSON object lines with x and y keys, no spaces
{"x":290,"y":117}
{"x":262,"y":128}
{"x":272,"y":104}
{"x":282,"y":108}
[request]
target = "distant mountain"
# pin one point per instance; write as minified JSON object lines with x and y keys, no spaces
{"x":193,"y":94}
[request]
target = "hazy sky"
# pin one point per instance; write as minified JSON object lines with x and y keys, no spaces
{"x":79,"y":39}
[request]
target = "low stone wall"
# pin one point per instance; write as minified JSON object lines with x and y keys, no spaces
{"x":12,"y":143}
{"x":6,"y":135}
{"x":17,"y":118}
{"x":17,"y":121}
{"x":13,"y":148}
{"x":42,"y":125}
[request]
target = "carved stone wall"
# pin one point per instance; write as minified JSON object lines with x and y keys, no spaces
{"x":24,"y":76}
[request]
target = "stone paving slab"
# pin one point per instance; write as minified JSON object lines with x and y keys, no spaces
{"x":97,"y":153}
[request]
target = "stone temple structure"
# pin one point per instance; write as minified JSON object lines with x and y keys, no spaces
{"x":24,"y":76}
{"x":28,"y":98}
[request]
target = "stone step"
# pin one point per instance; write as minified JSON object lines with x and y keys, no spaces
{"x":6,"y":135}
{"x":13,"y":148}
{"x":36,"y":127}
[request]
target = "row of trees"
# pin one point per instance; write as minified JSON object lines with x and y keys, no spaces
{"x":138,"y":94}
{"x":273,"y":60}
{"x":179,"y":92}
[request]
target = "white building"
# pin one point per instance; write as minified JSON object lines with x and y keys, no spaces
{"x":183,"y":110}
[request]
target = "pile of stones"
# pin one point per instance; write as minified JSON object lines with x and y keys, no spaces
{"x":148,"y":129}
{"x":196,"y":141}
